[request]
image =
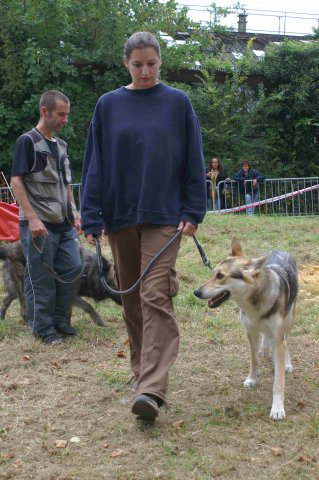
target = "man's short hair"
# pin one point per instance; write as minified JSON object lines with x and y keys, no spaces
{"x":48,"y":99}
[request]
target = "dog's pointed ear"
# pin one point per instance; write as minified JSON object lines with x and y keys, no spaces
{"x":259,"y":262}
{"x":236,"y":250}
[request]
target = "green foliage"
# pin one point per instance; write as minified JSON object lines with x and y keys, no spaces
{"x":286,"y":115}
{"x":77,"y":47}
{"x":223,"y":111}
{"x":276,"y":125}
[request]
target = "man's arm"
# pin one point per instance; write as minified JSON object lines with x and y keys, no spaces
{"x":36,"y":226}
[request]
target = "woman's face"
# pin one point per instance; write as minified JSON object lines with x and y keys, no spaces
{"x":143,"y":65}
{"x":215,"y":163}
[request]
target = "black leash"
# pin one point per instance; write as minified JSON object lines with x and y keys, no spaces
{"x":147,"y":269}
{"x":52,"y":272}
{"x":202,"y":253}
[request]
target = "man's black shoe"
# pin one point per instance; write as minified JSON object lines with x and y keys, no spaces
{"x":66,"y":330}
{"x":53,"y":339}
{"x":145,"y":407}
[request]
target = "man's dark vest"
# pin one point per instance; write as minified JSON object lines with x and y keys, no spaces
{"x":48,"y":181}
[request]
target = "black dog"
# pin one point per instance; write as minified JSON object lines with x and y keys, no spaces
{"x":89,"y":283}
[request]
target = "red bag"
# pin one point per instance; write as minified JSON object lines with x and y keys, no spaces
{"x":9,"y":222}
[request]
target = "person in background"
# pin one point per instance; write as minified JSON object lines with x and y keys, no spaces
{"x":40,"y":181}
{"x":216,"y":194}
{"x":248,"y":179}
{"x":143,"y":180}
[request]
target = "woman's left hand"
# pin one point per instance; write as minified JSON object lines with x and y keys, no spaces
{"x":187,"y":228}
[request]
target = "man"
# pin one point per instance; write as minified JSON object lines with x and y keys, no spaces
{"x":40,"y":181}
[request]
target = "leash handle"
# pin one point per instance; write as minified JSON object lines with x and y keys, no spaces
{"x":202,"y":253}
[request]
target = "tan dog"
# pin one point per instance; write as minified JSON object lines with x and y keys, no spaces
{"x":265,"y":289}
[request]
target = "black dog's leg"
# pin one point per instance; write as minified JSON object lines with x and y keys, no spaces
{"x":86,"y":307}
{"x":8,"y":299}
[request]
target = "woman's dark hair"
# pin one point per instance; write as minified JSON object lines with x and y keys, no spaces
{"x":48,"y":99}
{"x":220,"y":167}
{"x":141,"y":40}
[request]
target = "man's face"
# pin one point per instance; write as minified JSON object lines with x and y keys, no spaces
{"x":58,"y":117}
{"x":245,"y":167}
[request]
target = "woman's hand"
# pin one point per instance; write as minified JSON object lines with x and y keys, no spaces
{"x":187,"y":228}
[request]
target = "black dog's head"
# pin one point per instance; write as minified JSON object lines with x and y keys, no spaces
{"x":91,"y":285}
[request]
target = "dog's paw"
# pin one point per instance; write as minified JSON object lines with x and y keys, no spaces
{"x":277,"y":414}
{"x":250,"y":382}
{"x":277,"y":411}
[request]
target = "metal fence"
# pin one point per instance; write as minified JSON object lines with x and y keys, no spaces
{"x":276,"y":196}
{"x":6,"y":195}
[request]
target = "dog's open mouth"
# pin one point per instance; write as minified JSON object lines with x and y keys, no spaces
{"x":219,"y":299}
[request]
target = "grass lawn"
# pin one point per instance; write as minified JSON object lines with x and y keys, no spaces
{"x":65,"y":411}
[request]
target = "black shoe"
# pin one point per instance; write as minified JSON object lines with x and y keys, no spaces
{"x":53,"y":339}
{"x":66,"y":330}
{"x":145,"y":407}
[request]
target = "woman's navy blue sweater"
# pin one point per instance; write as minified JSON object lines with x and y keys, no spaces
{"x":143,"y":161}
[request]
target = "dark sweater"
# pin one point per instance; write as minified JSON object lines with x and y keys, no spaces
{"x":252,"y":174}
{"x":143,"y":161}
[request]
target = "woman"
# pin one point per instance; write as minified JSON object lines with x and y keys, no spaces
{"x":215,"y":191}
{"x":142,"y":172}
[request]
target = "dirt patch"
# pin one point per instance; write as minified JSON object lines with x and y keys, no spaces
{"x":309,"y":280}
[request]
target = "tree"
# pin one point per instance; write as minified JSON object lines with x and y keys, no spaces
{"x":286,"y":114}
{"x":76,"y":47}
{"x":223,"y":111}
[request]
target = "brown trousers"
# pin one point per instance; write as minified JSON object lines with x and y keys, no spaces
{"x":148,"y":312}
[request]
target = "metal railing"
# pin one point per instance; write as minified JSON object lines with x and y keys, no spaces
{"x":275,"y":196}
{"x":6,"y":195}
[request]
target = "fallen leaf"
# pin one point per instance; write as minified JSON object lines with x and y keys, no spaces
{"x":26,"y":357}
{"x":302,"y":458}
{"x":75,"y":440}
{"x":61,"y":443}
{"x":127,"y":342}
{"x":178,"y":423}
{"x":56,"y":365}
{"x":106,"y":445}
{"x":6,"y":456}
{"x":25,"y":381}
{"x":118,"y":453}
{"x":277,"y":451}
{"x":120,"y":354}
{"x":18,"y":465}
{"x":301,"y":404}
